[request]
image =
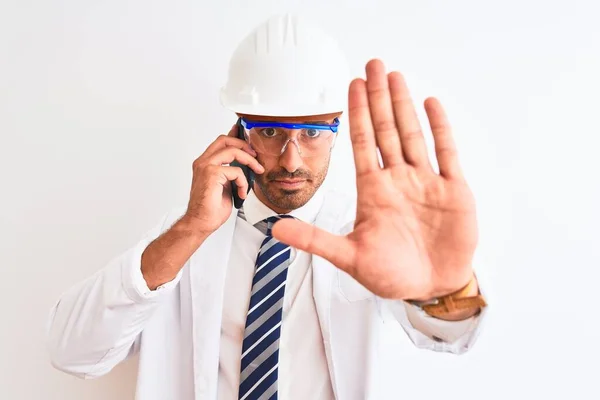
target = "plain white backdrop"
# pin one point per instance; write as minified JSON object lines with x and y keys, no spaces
{"x":104,"y":106}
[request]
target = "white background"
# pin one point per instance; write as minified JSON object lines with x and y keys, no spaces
{"x":104,"y":106}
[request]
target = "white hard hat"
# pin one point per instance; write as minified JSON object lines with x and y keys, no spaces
{"x":287,"y":67}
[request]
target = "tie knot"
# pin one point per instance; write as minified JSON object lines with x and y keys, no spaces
{"x":266,"y":225}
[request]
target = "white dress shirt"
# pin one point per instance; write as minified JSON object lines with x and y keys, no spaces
{"x":303,"y":372}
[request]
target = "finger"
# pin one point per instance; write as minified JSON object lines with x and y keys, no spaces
{"x":445,"y":148}
{"x":337,"y":250}
{"x":224,"y":141}
{"x":361,"y":130}
{"x":411,"y":134}
{"x":382,"y":114}
{"x":235,"y":174}
{"x":228,"y":155}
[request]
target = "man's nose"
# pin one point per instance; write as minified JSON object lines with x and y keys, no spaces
{"x":290,"y":158}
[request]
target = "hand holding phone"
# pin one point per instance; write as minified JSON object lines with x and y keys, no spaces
{"x":217,"y":186}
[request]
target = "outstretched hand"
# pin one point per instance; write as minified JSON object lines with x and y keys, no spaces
{"x":415,"y":231}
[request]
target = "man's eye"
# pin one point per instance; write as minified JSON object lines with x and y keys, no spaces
{"x":312,"y":133}
{"x":268,"y":132}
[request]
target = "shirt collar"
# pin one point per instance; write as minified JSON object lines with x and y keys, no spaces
{"x":256,"y":211}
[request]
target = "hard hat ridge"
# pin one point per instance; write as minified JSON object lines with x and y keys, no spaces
{"x":287,"y":66}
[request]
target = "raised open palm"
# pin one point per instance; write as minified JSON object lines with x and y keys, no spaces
{"x":415,"y":231}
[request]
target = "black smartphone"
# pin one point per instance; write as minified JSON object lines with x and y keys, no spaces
{"x":248,"y":173}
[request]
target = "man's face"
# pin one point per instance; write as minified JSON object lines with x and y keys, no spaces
{"x":289,"y":180}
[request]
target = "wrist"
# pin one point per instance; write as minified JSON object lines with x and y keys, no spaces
{"x":456,"y":306}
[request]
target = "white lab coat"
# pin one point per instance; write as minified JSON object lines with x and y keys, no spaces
{"x":176,"y":330}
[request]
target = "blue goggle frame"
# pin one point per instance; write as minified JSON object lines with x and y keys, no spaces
{"x":268,"y":124}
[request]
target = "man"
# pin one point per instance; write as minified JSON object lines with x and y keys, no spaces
{"x":284,"y":298}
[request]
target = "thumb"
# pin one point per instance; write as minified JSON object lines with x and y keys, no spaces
{"x":336,"y":249}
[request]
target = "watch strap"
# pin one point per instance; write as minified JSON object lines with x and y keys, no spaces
{"x":453,"y":302}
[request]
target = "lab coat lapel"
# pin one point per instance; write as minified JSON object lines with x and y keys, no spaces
{"x":208,"y":267}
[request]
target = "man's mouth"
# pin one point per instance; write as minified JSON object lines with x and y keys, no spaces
{"x":290,"y":183}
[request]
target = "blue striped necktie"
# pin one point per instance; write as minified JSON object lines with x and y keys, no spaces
{"x":260,"y":349}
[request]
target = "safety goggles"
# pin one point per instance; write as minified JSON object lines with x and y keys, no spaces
{"x":272,"y":138}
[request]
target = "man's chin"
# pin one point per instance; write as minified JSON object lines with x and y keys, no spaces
{"x":289,"y":199}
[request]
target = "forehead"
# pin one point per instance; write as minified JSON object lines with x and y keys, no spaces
{"x":325,"y":118}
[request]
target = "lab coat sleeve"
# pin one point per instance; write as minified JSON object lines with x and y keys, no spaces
{"x":431,"y":333}
{"x":96,"y":324}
